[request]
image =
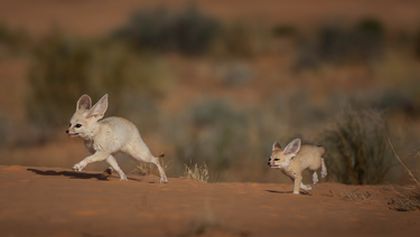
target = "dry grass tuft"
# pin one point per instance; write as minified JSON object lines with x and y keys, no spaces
{"x":198,"y":173}
{"x":145,"y":169}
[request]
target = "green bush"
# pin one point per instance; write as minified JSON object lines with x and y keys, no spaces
{"x":357,"y":152}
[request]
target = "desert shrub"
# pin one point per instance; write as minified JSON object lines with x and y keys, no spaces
{"x":397,"y":102}
{"x":5,"y":131}
{"x":335,"y":43}
{"x":369,"y":38}
{"x":238,"y":40}
{"x":59,"y":72}
{"x":12,"y":40}
{"x":188,"y":31}
{"x":63,"y":68}
{"x":363,"y":41}
{"x":284,"y":30}
{"x":417,"y":44}
{"x":357,"y":152}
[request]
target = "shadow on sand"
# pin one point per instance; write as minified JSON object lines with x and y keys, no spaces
{"x":288,"y":192}
{"x":72,"y":174}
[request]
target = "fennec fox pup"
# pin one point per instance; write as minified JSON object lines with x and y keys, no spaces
{"x":294,"y":159}
{"x":104,"y":137}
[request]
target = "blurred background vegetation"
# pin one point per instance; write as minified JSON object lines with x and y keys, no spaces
{"x":216,"y":92}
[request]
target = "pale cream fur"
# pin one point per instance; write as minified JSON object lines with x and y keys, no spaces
{"x":296,"y":158}
{"x":104,"y":137}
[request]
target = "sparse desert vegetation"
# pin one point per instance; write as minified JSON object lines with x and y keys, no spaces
{"x":228,"y":59}
{"x":212,"y":85}
{"x":197,"y":172}
{"x":297,"y":91}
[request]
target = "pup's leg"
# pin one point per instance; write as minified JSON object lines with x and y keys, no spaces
{"x":142,"y":153}
{"x":98,"y":156}
{"x":315,"y":178}
{"x":305,"y":187}
{"x":113,"y":163}
{"x":296,"y":187}
{"x":323,"y":168}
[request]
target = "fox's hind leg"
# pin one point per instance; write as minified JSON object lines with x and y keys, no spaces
{"x":305,"y":187}
{"x":163,"y":178}
{"x":315,"y":178}
{"x":141,"y":152}
{"x":114,"y":165}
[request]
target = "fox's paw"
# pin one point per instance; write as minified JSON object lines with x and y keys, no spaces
{"x":163,"y":180}
{"x":306,"y":187}
{"x":315,"y":178}
{"x":123,"y":177}
{"x":79,"y":166}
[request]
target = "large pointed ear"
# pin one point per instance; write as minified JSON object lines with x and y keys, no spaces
{"x":99,"y":109}
{"x":293,"y":147}
{"x":84,"y":102}
{"x":276,"y":146}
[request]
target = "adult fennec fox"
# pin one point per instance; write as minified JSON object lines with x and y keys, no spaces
{"x":295,"y":158}
{"x":104,"y":137}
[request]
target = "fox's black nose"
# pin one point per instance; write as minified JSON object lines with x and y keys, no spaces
{"x":67,"y":131}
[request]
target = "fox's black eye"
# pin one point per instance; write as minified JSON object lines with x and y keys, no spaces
{"x":78,"y":125}
{"x":276,"y":159}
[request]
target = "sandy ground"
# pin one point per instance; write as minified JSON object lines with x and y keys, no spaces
{"x":59,"y":202}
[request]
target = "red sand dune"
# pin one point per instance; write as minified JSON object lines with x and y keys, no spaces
{"x":58,"y":202}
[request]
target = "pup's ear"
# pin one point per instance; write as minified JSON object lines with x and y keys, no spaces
{"x":276,"y":146}
{"x":99,"y":109}
{"x":293,"y":147}
{"x":84,"y":102}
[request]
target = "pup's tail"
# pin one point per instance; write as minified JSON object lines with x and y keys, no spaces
{"x":321,"y":150}
{"x":324,"y":172}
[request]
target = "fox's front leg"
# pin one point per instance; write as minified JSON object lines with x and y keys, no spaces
{"x":296,"y":187}
{"x":97,"y":156}
{"x":113,"y":163}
